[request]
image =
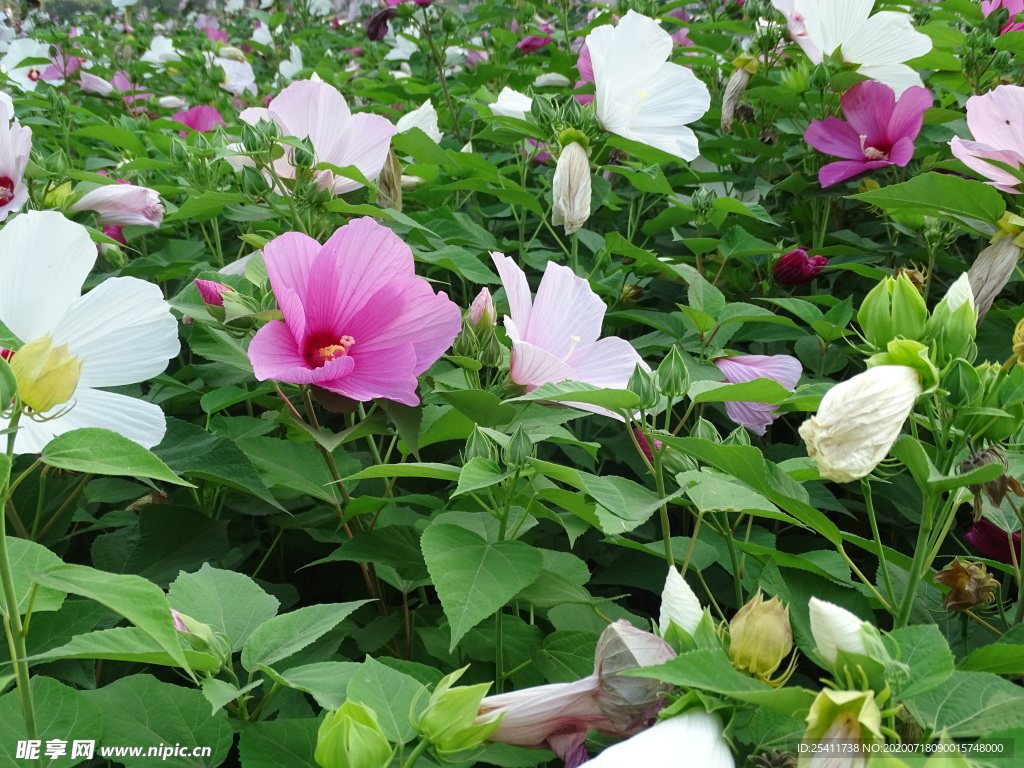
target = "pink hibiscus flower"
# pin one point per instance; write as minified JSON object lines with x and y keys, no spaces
{"x":996,"y":120}
{"x":357,"y":320}
{"x":784,"y":369}
{"x":317,"y":110}
{"x":555,"y":337}
{"x":1013,"y":7}
{"x":878,"y":131}
{"x":15,"y":148}
{"x":200,"y":118}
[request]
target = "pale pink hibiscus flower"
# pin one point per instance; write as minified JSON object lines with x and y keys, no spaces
{"x":878,"y":130}
{"x":784,"y":369}
{"x":15,"y":147}
{"x":996,"y":120}
{"x":318,"y":111}
{"x":556,"y":336}
{"x":121,"y":205}
{"x":357,"y":319}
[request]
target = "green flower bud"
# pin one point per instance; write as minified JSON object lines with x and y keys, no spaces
{"x":478,"y":446}
{"x":253,"y":183}
{"x":520,"y":449}
{"x":912,"y":354}
{"x":963,"y":383}
{"x":490,"y":352}
{"x":350,"y":737}
{"x":673,"y":375}
{"x":448,"y":720}
{"x":641,"y":384}
{"x":304,"y":155}
{"x":952,"y":327}
{"x":893,"y":308}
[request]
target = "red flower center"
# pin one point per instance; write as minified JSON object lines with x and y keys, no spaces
{"x":323,"y":347}
{"x":34,"y":75}
{"x":6,"y":190}
{"x":873,"y":153}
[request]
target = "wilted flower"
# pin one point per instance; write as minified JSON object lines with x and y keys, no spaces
{"x":998,"y":129}
{"x":797,"y":268}
{"x":560,"y":714}
{"x":760,"y":638}
{"x":357,"y":319}
{"x":377,"y":24}
{"x":15,"y":148}
{"x":570,"y":189}
{"x":995,"y":490}
{"x":993,"y":542}
{"x":878,"y":130}
{"x":697,"y":735}
{"x":679,"y":605}
{"x":879,"y":43}
{"x":859,"y":419}
{"x":317,"y":111}
{"x":121,"y":332}
{"x":556,"y":336}
{"x":970,"y":585}
{"x":640,"y":94}
{"x":991,"y":271}
{"x":122,"y":205}
{"x":784,"y":369}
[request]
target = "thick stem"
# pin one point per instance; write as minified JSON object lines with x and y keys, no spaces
{"x":921,"y":554}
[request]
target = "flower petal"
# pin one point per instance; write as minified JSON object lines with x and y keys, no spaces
{"x":834,"y":137}
{"x":679,"y":605}
{"x":44,"y":260}
{"x":122,"y":330}
{"x":697,"y":735}
{"x":365,"y":144}
{"x":386,"y":374}
{"x":835,"y":629}
{"x":533,"y":366}
{"x":833,"y":173}
{"x":566,"y":312}
{"x":275,"y":354}
{"x":517,"y":290}
{"x":608,"y":362}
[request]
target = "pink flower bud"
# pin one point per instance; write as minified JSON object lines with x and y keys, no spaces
{"x":212,"y":292}
{"x":797,"y":268}
{"x":178,"y":623}
{"x":123,"y":204}
{"x":481,"y":311}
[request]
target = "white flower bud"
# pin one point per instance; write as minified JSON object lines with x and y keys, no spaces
{"x":172,"y":102}
{"x":232,"y":53}
{"x":835,"y":629}
{"x":679,"y":605}
{"x":859,"y":420}
{"x":512,"y":103}
{"x":423,"y":117}
{"x":570,"y":190}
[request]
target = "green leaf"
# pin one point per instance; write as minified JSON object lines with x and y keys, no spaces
{"x":1004,"y":657}
{"x":911,"y":452}
{"x":412,"y":469}
{"x":397,"y":546}
{"x":28,"y":560}
{"x":228,"y":601}
{"x":142,"y":711}
{"x":926,"y":651}
{"x":111,"y":134}
{"x":565,"y":656}
{"x":284,"y":635}
{"x":61,"y":713}
{"x":570,"y":392}
{"x":140,"y":601}
{"x":296,"y":466}
{"x":220,"y":692}
{"x":939,"y":194}
{"x":102,"y":452}
{"x":484,"y":408}
{"x":709,"y":669}
{"x":970,"y":704}
{"x":205,"y":206}
{"x":126,"y":644}
{"x":326,"y":681}
{"x":479,"y":473}
{"x":756,"y":391}
{"x":278,"y":743}
{"x":390,"y":694}
{"x":193,"y":452}
{"x":473,"y":577}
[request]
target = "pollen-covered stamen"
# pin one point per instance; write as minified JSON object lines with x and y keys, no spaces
{"x":572,"y":347}
{"x":872,"y":153}
{"x":322,"y":348}
{"x":6,"y":190}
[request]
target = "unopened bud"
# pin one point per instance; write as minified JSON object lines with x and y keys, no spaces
{"x":570,"y":189}
{"x":305,"y":156}
{"x":673,"y":375}
{"x":641,"y":384}
{"x":760,"y":638}
{"x":481,"y":312}
{"x":520,"y":449}
{"x":350,"y":737}
{"x":448,"y":720}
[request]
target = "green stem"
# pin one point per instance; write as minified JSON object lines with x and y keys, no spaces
{"x":917,"y":567}
{"x":439,"y":63}
{"x":414,"y":756}
{"x":12,"y":623}
{"x":666,"y":532}
{"x":869,"y":503}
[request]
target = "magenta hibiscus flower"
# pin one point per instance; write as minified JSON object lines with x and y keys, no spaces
{"x":878,"y":130}
{"x":357,"y":320}
{"x":784,"y":369}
